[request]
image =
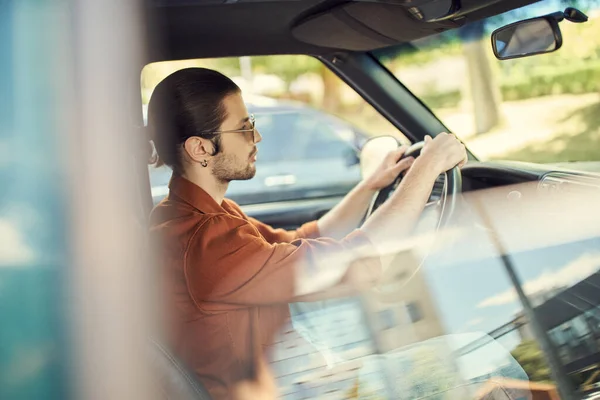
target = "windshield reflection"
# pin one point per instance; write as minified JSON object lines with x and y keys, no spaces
{"x":455,"y":327}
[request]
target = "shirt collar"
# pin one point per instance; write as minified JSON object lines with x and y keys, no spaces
{"x":193,"y":195}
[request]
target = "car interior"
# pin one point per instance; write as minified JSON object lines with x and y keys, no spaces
{"x":210,"y":29}
{"x":343,"y":35}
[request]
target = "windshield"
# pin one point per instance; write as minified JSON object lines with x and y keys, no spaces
{"x":543,"y":109}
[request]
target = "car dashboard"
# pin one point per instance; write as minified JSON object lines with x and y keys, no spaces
{"x":550,"y":179}
{"x":522,"y":206}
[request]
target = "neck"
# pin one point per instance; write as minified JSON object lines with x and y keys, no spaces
{"x":204,"y":179}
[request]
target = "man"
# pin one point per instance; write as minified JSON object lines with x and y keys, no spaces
{"x":229,"y":278}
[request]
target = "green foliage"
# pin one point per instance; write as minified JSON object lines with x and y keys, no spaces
{"x":547,"y":81}
{"x":531,"y":358}
{"x":286,"y":67}
{"x":426,"y":51}
{"x":585,"y":79}
{"x":227,"y":66}
{"x":573,"y":69}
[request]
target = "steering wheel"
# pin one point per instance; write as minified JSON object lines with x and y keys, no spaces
{"x":448,"y":200}
{"x":447,"y":205}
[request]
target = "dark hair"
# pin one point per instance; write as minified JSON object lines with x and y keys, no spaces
{"x":187,"y":103}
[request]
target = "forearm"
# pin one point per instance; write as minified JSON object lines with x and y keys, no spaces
{"x":347,"y":215}
{"x":346,"y":268}
{"x":396,"y":218}
{"x":338,"y":291}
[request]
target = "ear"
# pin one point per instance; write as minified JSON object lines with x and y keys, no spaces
{"x":198,"y":149}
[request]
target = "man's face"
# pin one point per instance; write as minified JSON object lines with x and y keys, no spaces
{"x":237,"y":158}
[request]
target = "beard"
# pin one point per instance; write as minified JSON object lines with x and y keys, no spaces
{"x":229,"y":167}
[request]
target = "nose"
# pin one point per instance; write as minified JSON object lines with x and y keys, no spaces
{"x":257,"y":136}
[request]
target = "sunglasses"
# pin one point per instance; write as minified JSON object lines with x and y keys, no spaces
{"x":252,"y":129}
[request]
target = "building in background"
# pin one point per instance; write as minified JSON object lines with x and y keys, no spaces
{"x":331,"y":348}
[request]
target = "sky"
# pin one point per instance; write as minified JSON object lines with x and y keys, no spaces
{"x":478,"y":296}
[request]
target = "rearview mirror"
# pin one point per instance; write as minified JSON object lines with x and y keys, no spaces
{"x":526,"y":38}
{"x":533,"y":36}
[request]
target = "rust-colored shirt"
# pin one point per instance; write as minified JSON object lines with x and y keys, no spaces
{"x":228,"y":279}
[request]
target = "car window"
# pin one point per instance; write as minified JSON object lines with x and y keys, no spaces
{"x":324,"y":141}
{"x":296,"y":136}
{"x":446,"y":327}
{"x":306,"y":115}
{"x":278,"y":129}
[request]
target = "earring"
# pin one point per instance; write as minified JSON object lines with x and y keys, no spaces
{"x":204,"y":163}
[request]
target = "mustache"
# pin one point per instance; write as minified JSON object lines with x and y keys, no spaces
{"x":254,"y":151}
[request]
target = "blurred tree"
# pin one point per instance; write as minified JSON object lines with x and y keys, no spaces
{"x":289,"y":68}
{"x":531,"y":358}
{"x":525,"y":12}
{"x":331,"y":89}
{"x":228,"y":66}
{"x":482,"y":89}
{"x":286,"y":67}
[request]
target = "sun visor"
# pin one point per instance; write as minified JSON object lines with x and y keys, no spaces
{"x":365,"y":26}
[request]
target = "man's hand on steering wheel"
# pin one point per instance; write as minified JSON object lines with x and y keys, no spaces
{"x":386,"y":173}
{"x":444,"y":152}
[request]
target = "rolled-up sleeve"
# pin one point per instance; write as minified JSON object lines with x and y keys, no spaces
{"x":229,"y":264}
{"x":309,"y":230}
